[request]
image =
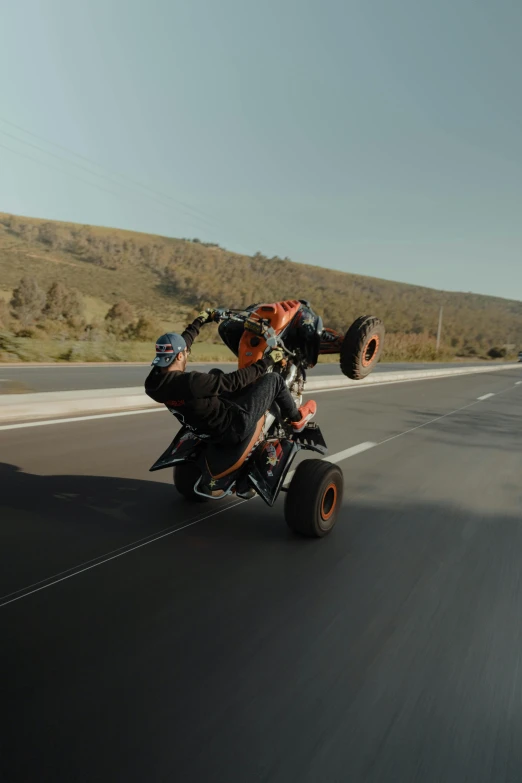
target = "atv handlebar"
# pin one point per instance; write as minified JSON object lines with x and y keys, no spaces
{"x":262,"y":326}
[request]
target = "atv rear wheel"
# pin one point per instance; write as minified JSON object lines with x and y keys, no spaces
{"x":313,"y":498}
{"x":186,"y":475}
{"x":362,"y":347}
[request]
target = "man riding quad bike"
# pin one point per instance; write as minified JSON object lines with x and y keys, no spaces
{"x":241,"y":430}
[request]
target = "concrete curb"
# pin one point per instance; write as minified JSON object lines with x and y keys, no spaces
{"x":326,"y":382}
{"x":51,"y":405}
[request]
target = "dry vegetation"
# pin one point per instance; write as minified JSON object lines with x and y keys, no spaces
{"x":119,"y":289}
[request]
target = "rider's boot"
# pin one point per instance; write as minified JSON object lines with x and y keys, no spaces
{"x":306,"y":412}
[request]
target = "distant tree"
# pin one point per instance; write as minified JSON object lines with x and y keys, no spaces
{"x":144,"y":329}
{"x":496,"y":353}
{"x":63,"y":304}
{"x":28,"y":301}
{"x":161,"y":273}
{"x":120,"y":316}
{"x":94,"y":331}
{"x":416,"y":325}
{"x":468,"y":349}
{"x":55,"y":302}
{"x":77,"y":244}
{"x":74,"y":309}
{"x":21,"y":228}
{"x":48,"y":234}
{"x":5,"y":314}
{"x":13,"y":222}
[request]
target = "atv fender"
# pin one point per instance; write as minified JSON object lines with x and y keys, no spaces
{"x":185,"y":446}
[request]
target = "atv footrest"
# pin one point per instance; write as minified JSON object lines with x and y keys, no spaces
{"x":311,"y":438}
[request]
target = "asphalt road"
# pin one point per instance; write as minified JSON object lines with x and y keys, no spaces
{"x":71,"y":377}
{"x":229,"y":651}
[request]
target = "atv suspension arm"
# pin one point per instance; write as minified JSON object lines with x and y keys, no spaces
{"x":331,"y":341}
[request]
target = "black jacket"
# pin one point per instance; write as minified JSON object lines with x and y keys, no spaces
{"x":196,"y":397}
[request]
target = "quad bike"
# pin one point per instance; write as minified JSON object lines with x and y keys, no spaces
{"x":260,"y":465}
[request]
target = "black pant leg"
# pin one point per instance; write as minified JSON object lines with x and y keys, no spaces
{"x":258,"y":398}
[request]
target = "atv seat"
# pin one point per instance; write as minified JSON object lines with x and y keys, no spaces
{"x":223,"y":460}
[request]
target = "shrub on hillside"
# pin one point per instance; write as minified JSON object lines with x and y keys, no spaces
{"x":469,"y":350}
{"x":497,"y":353}
{"x":168,"y":276}
{"x":414,"y":348}
{"x":28,"y":301}
{"x":63,"y":304}
{"x":10,"y":349}
{"x":144,"y":329}
{"x":5,"y":314}
{"x":120,"y":317}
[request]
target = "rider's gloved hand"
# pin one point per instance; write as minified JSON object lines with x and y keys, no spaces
{"x":205,"y":317}
{"x":218,"y":314}
{"x":276,"y":355}
{"x":211,"y":315}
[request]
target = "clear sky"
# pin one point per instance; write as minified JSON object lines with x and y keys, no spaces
{"x":382,"y":137}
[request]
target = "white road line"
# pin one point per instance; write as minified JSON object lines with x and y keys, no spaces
{"x":334,"y":458}
{"x":70,"y":419}
{"x":341,"y":455}
{"x":486,"y":396}
{"x":313,"y":392}
{"x":90,"y":417}
{"x":351,"y":452}
{"x":426,"y":423}
{"x":375,"y":385}
{"x":131,"y":548}
{"x":52,"y":580}
{"x":103,"y":556}
{"x":517,"y":383}
{"x":97,"y":561}
{"x":438,"y":418}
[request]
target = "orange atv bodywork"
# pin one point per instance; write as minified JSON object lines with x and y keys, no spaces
{"x":251,"y":345}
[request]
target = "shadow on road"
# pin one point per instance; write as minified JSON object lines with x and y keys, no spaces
{"x":114,"y":503}
{"x":49,"y":523}
{"x":389,"y":651}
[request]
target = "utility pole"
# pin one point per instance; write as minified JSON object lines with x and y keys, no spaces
{"x":439,"y":330}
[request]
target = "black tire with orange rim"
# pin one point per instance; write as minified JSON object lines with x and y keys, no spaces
{"x":314,"y":498}
{"x":362,"y":347}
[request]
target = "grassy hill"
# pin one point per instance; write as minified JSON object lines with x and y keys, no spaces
{"x":168,"y":279}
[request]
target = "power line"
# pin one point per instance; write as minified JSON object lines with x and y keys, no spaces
{"x":69,"y":174}
{"x":199,"y":215}
{"x":95,"y":174}
{"x":197,"y":212}
{"x":98,"y":165}
{"x":92,"y":173}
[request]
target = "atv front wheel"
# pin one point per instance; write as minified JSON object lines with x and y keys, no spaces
{"x":362,"y":347}
{"x":313,"y":498}
{"x":186,"y":475}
